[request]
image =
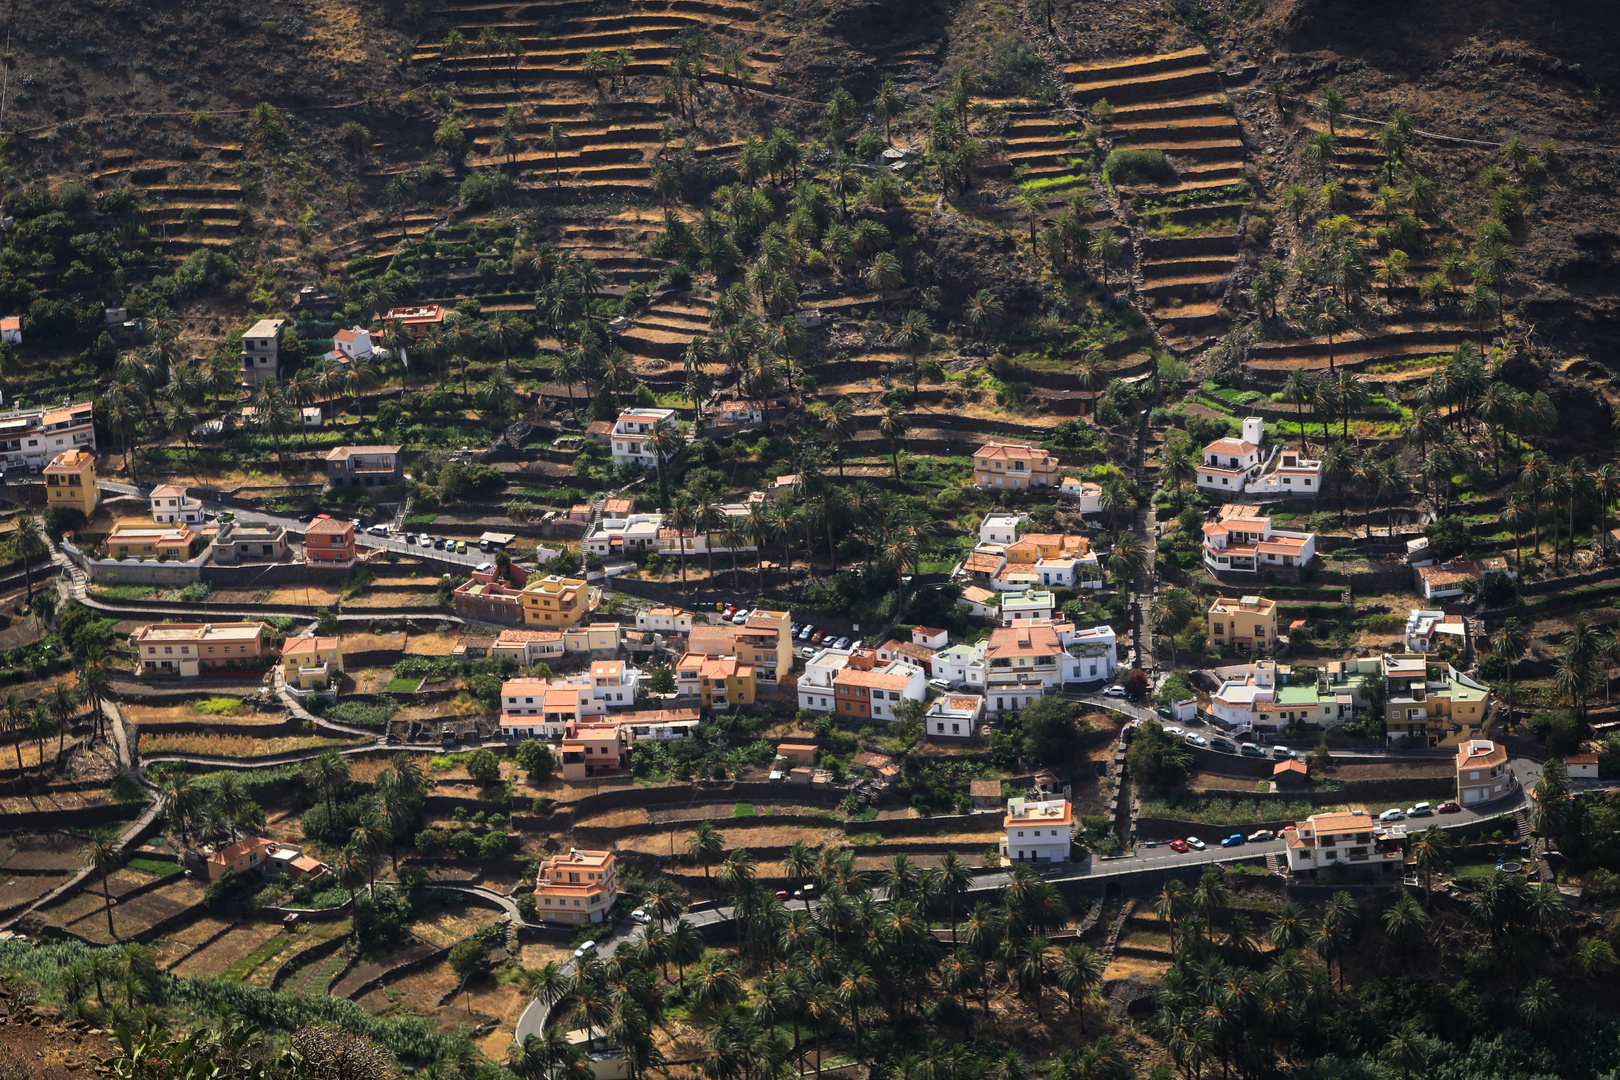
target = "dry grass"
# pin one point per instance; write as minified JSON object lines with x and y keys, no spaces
{"x":152,"y":714}
{"x":237,"y":746}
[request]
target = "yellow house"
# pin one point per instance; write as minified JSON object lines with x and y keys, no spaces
{"x":1432,"y":703}
{"x":141,"y":541}
{"x":307,"y":662}
{"x":719,"y":681}
{"x":70,"y":481}
{"x":1248,"y":622}
{"x":598,"y":639}
{"x":555,"y":601}
{"x":765,"y":641}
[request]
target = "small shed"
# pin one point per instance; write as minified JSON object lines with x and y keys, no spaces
{"x":798,"y":753}
{"x":985,"y":794}
{"x":1582,"y":766}
{"x":1288,"y":775}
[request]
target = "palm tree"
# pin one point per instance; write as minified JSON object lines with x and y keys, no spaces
{"x":1079,"y":974}
{"x":856,"y":988}
{"x":884,"y":274}
{"x":27,"y":545}
{"x":1429,"y":852}
{"x":682,"y":518}
{"x":838,"y":420}
{"x":62,"y":703}
{"x":102,"y":856}
{"x":94,"y":684}
{"x":1327,"y":316}
{"x":327,"y":775}
{"x":1406,"y":1050}
{"x":665,"y":439}
{"x":894,"y":427}
{"x":1299,"y":389}
{"x":705,"y":845}
{"x":1104,"y":250}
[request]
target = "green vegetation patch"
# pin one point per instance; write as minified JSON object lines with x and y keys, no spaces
{"x":399,"y":685}
{"x":159,"y":867}
{"x":218,"y":706}
{"x":1126,"y":166}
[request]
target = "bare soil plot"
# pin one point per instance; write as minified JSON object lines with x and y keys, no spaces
{"x":20,"y":890}
{"x":156,"y":714}
{"x":1131,"y":967}
{"x":456,"y":922}
{"x":739,"y":833}
{"x":359,"y":643}
{"x":175,"y":944}
{"x":297,"y":595}
{"x":238,"y":746}
{"x":52,"y":800}
{"x":47,"y":851}
{"x":314,"y":977}
{"x":433,"y":644}
{"x":218,"y":957}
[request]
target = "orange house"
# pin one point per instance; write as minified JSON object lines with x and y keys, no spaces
{"x":328,"y":542}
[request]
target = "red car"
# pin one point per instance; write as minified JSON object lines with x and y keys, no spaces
{"x":815,"y":638}
{"x":1449,"y":808}
{"x":1179,"y":846}
{"x":1286,"y":828}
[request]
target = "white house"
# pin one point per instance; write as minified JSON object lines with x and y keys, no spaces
{"x":630,"y":432}
{"x":1024,"y":662}
{"x":665,"y":619}
{"x":953,"y":716}
{"x":1037,"y":831}
{"x":1350,"y":840}
{"x":816,"y":681}
{"x":172,"y":503}
{"x":1086,"y":495}
{"x":930,"y":638}
{"x":349,"y":345}
{"x":980,"y":602}
{"x":1023,"y":606}
{"x":1000,"y":528}
{"x":1093,"y":654}
{"x":1427,"y":630}
{"x":1446,"y":580}
{"x":960,"y":664}
{"x":1245,"y":543}
{"x":1245,"y":466}
{"x":1582,"y":766}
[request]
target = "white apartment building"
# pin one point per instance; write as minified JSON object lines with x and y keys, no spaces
{"x":962,"y":664}
{"x":1093,"y":654}
{"x":1353,"y":839}
{"x":1037,"y":831}
{"x":36,"y":436}
{"x":1245,"y":543}
{"x":1019,"y":607}
{"x":1024,"y":662}
{"x":172,"y":503}
{"x":1000,"y":528}
{"x":665,"y":619}
{"x":816,"y":681}
{"x":629,"y":438}
{"x":1427,"y":630}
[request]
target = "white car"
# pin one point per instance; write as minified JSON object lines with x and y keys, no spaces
{"x":1195,"y":739}
{"x":584,"y":950}
{"x":1113,"y":690}
{"x":640,"y":915}
{"x":1174,"y":731}
{"x":1282,"y":753}
{"x":1392,"y":814}
{"x":1261,"y":834}
{"x":740,"y":618}
{"x":1196,"y":844}
{"x":1422,"y":809}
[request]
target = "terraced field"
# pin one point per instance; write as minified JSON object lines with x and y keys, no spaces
{"x":185,"y":203}
{"x":1174,"y":103}
{"x":221,"y":956}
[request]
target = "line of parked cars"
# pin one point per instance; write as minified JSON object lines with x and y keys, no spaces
{"x":436,"y":543}
{"x":1422,"y":809}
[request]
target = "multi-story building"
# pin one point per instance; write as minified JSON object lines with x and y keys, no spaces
{"x":176,"y":542}
{"x":594,"y":751}
{"x":866,"y":690}
{"x":248,"y":855}
{"x":912,"y":652}
{"x":719,"y":682}
{"x":555,"y":601}
{"x":577,"y":887}
{"x":1431,"y":702}
{"x":70,"y":481}
{"x":1233,"y":467}
{"x":1000,"y":528}
{"x":598,"y":640}
{"x":32,"y":437}
{"x":630,"y":436}
{"x":1037,"y":830}
{"x":815,"y":683}
{"x":1034,"y":560}
{"x":238,"y":542}
{"x":492,"y":595}
{"x":1024,"y":663}
{"x":349,"y":345}
{"x":764,"y":641}
{"x":189,"y":649}
{"x":1427,"y":631}
{"x":330,"y":542}
{"x":308,"y":662}
{"x":665,"y":619}
{"x":261,"y":351}
{"x":1019,"y":466}
{"x":962,"y":664}
{"x":1348,"y":841}
{"x":1087,"y":496}
{"x":1482,"y":772}
{"x":365,"y":466}
{"x":1246,"y":623}
{"x":1242,"y":541}
{"x":953,"y":716}
{"x":172,"y":503}
{"x":528,"y":647}
{"x":1093,"y":654}
{"x":533,"y":708}
{"x":1017,"y":607}
{"x":614,"y":536}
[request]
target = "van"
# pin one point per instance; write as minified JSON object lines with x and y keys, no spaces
{"x":1282,"y":753}
{"x":1248,"y":749}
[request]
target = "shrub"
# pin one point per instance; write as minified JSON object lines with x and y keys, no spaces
{"x":469,"y":959}
{"x":483,"y":766}
{"x":493,"y":845}
{"x":223,"y":888}
{"x":536,"y":760}
{"x":63,"y":519}
{"x":380,"y":916}
{"x":1125,"y":166}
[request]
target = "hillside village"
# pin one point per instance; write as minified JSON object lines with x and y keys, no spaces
{"x":710,"y":538}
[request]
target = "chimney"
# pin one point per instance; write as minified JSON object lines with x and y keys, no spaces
{"x":1253,"y":430}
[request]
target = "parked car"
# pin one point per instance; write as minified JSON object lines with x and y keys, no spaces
{"x":728,"y":611}
{"x":1248,"y":749}
{"x":410,"y":539}
{"x":806,"y":631}
{"x":1113,"y":690}
{"x":1262,"y":834}
{"x":1164,"y":711}
{"x":585,"y":950}
{"x":438,"y":543}
{"x":378,"y":530}
{"x":1225,"y":746}
{"x":1196,"y":844}
{"x":793,"y":629}
{"x":818,"y":637}
{"x":461,"y":547}
{"x":1449,"y":808}
{"x":640,"y":915}
{"x":1282,"y":753}
{"x":1392,"y":814}
{"x":485,"y":546}
{"x":1235,"y":840}
{"x":1174,"y":731}
{"x":1195,"y":739}
{"x":941,"y":685}
{"x":841,"y":643}
{"x":485,"y":567}
{"x":741,"y":617}
{"x":1179,"y":846}
{"x":1422,"y":809}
